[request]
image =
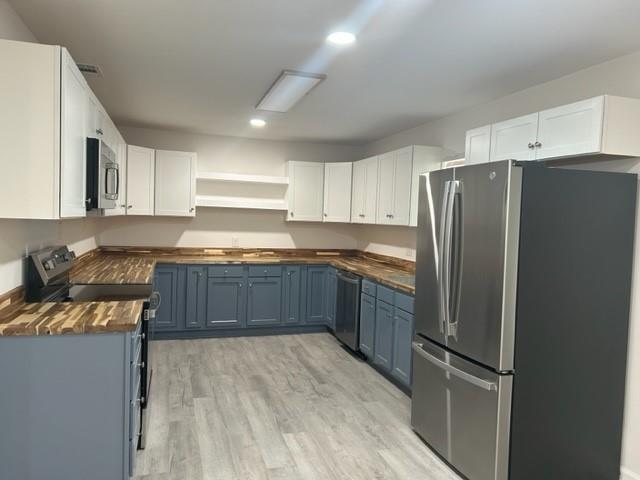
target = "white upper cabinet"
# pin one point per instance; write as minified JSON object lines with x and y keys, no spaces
{"x":175,"y":185}
{"x":574,"y":129}
{"x":394,"y":187}
{"x":46,"y":112}
{"x":478,"y":145}
{"x":337,"y":192}
{"x":305,"y":193}
{"x":140,"y":180}
{"x":364,"y":198}
{"x":604,"y":125}
{"x":74,"y":101}
{"x":514,"y":139}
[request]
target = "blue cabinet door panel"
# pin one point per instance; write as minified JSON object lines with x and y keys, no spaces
{"x":264,"y":306}
{"x":367,"y":324}
{"x":291,"y":293}
{"x":196,"y":297}
{"x":226,"y":302}
{"x":166,"y":283}
{"x":402,"y":336}
{"x":316,"y":294}
{"x":383,"y":335}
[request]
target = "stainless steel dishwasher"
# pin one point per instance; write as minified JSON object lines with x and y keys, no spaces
{"x":348,"y":310}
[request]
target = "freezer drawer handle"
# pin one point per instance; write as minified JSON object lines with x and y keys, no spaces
{"x":467,"y":377}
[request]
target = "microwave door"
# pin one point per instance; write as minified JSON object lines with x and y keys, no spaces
{"x":485,"y":236}
{"x":432,"y":221}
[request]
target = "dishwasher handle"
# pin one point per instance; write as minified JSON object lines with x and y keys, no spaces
{"x":349,"y":277}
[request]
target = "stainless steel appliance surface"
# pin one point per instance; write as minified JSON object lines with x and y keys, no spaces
{"x":348,"y":309}
{"x":512,"y":260}
{"x":103,"y":176}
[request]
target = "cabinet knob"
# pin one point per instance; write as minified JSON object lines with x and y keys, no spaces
{"x":325,"y":214}
{"x":123,"y":206}
{"x":130,"y":206}
{"x":99,"y":131}
{"x":291,"y":213}
{"x":361,"y":215}
{"x":288,"y":274}
{"x":531,"y":145}
{"x":538,"y":144}
{"x":191,"y":209}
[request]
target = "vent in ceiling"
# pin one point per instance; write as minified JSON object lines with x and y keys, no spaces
{"x":89,"y":69}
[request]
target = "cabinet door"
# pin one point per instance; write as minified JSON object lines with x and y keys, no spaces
{"x":386,"y":182}
{"x":316,"y":294}
{"x":305,"y":193}
{"x":367,"y":324}
{"x":394,"y":187}
{"x":337,"y":192}
{"x":402,"y":337}
{"x":291,"y":295}
{"x":574,"y":129}
{"x":196,"y":309}
{"x":403,"y":173}
{"x":175,"y":185}
{"x":73,"y":148}
{"x":331,"y":296}
{"x":264,"y":307}
{"x":515,"y":138}
{"x":383,"y":335}
{"x":140,"y":180}
{"x":166,"y":283}
{"x":478,"y":145}
{"x":226,"y":302}
{"x":364,"y":198}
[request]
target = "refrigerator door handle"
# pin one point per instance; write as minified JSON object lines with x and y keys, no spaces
{"x":455,"y":263}
{"x":446,"y":254}
{"x":443,"y":307}
{"x":461,"y":374}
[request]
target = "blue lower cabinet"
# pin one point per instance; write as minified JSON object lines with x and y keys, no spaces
{"x":316,"y":288}
{"x":226,"y":302}
{"x":331,"y":297}
{"x":383,"y":347}
{"x":264,"y":307}
{"x":402,"y":337}
{"x":196,"y":291}
{"x":367,"y":324}
{"x":165,"y":282}
{"x":291,"y":292}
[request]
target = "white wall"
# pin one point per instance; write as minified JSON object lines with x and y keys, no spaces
{"x":11,"y":25}
{"x":618,"y":77}
{"x":217,"y":227}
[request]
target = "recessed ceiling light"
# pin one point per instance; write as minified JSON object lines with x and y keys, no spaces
{"x":257,"y":122}
{"x":341,"y":38}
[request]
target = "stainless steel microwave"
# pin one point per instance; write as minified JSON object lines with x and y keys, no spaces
{"x":103,"y":176}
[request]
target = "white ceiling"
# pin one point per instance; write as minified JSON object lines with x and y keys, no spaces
{"x":202,"y":65}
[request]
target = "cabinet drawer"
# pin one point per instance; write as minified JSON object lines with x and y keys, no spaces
{"x":368,"y":287}
{"x":265,"y":270}
{"x":404,"y":302}
{"x":226,"y":271}
{"x":385,"y":294}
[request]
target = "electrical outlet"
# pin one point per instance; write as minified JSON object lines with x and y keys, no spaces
{"x":235,"y":242}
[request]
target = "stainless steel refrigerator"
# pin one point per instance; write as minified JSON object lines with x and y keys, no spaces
{"x":523,"y":281}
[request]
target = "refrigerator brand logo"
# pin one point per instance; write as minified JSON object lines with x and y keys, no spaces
{"x":492,"y":175}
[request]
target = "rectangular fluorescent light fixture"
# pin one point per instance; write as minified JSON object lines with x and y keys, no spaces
{"x":288,"y":89}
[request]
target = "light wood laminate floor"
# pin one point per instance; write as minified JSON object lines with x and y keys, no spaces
{"x":281,"y":407}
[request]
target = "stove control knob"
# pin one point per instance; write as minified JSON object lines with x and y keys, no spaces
{"x":49,"y":265}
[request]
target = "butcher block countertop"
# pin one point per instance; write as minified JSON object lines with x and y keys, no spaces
{"x":127,"y":265}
